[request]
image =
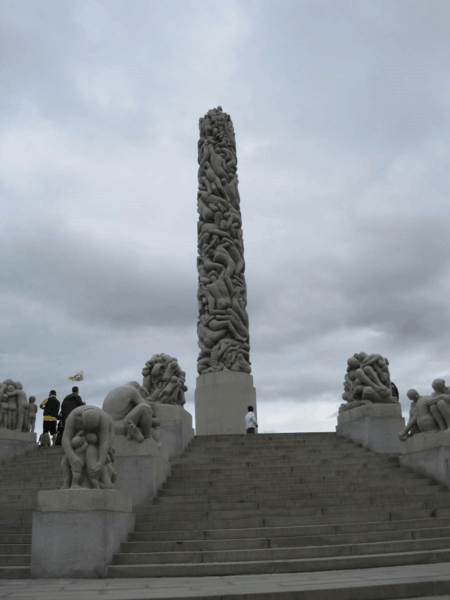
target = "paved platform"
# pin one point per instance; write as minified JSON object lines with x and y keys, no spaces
{"x":386,"y":583}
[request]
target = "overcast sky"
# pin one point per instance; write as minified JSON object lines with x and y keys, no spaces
{"x":341,"y":115}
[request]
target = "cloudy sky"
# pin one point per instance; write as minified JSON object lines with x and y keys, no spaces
{"x":342,"y":125}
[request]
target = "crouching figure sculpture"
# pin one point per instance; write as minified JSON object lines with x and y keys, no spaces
{"x":88,"y":445}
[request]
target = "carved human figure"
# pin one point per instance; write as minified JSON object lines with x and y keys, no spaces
{"x":440,"y":404}
{"x":31,"y":414}
{"x":412,"y":426}
{"x":98,"y":428}
{"x":125,"y":404}
{"x":21,"y":404}
{"x":4,"y":406}
{"x":12,"y":406}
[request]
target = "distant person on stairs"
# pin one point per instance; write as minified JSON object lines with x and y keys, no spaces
{"x":69,"y":404}
{"x":51,"y":410}
{"x":250,"y":421}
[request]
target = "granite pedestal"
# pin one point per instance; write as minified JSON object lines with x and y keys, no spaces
{"x":142,"y":467}
{"x":15,"y":443}
{"x":374,"y":426}
{"x":176,"y":431}
{"x":428,"y":453}
{"x":76,"y":532}
{"x":221,"y":401}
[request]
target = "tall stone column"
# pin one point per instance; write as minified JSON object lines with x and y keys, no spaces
{"x":224,"y":385}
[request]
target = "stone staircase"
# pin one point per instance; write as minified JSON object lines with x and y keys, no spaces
{"x":269,"y":503}
{"x":285,"y":503}
{"x":20,"y":480}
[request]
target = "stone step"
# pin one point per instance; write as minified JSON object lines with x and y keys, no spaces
{"x":292,"y":495}
{"x":291,"y":553}
{"x":319,"y":518}
{"x":15,"y":572}
{"x":279,"y":566}
{"x":408,"y":485}
{"x":272,"y":479}
{"x":15,"y":529}
{"x":14,"y":538}
{"x":348,"y":504}
{"x":268,"y":454}
{"x":283,"y":466}
{"x":299,"y":530}
{"x":305,"y":508}
{"x":15,"y":560}
{"x":286,"y":476}
{"x":291,"y":541}
{"x":15,"y":548}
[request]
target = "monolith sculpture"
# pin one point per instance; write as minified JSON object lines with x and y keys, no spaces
{"x":224,"y":387}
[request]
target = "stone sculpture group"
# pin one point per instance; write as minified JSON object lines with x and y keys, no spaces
{"x":428,"y":413}
{"x":17,"y":413}
{"x":367,"y":381}
{"x":223,"y":335}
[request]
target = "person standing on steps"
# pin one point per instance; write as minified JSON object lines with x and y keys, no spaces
{"x":69,"y":403}
{"x":250,"y":421}
{"x":50,"y":407}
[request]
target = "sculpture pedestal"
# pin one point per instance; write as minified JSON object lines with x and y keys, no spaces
{"x":374,"y":426}
{"x":176,"y":431}
{"x":221,"y":401}
{"x":15,"y":443}
{"x":76,"y":532}
{"x":142,"y":467}
{"x":429,"y":454}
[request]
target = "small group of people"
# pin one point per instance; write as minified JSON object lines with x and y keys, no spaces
{"x":55,"y":419}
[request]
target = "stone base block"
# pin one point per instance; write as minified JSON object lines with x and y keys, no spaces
{"x":76,"y":532}
{"x":374,"y":426}
{"x":15,"y":443}
{"x":142,"y":467}
{"x":176,"y":431}
{"x":429,"y":454}
{"x":221,"y":401}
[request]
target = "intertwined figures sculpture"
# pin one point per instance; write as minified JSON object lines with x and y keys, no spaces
{"x":223,"y":335}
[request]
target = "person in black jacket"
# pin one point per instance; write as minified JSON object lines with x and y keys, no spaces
{"x":69,"y":403}
{"x":50,"y":407}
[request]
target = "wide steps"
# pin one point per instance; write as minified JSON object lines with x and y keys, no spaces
{"x":279,"y":566}
{"x":302,"y":503}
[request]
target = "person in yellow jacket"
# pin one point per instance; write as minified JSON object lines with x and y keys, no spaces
{"x":50,"y":407}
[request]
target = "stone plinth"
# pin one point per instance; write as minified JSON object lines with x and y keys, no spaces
{"x":76,"y":532}
{"x":221,"y":401}
{"x":15,"y":443}
{"x":428,"y":453}
{"x":374,"y":426}
{"x":142,"y":467}
{"x":176,"y":431}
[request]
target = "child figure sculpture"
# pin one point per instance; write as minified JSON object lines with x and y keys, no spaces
{"x":31,"y":414}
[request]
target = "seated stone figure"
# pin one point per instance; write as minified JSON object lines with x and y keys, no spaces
{"x":440,"y":404}
{"x":429,"y":413}
{"x":131,"y":413}
{"x":91,"y":456}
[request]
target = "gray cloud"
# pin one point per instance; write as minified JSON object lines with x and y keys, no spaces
{"x":342,"y":126}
